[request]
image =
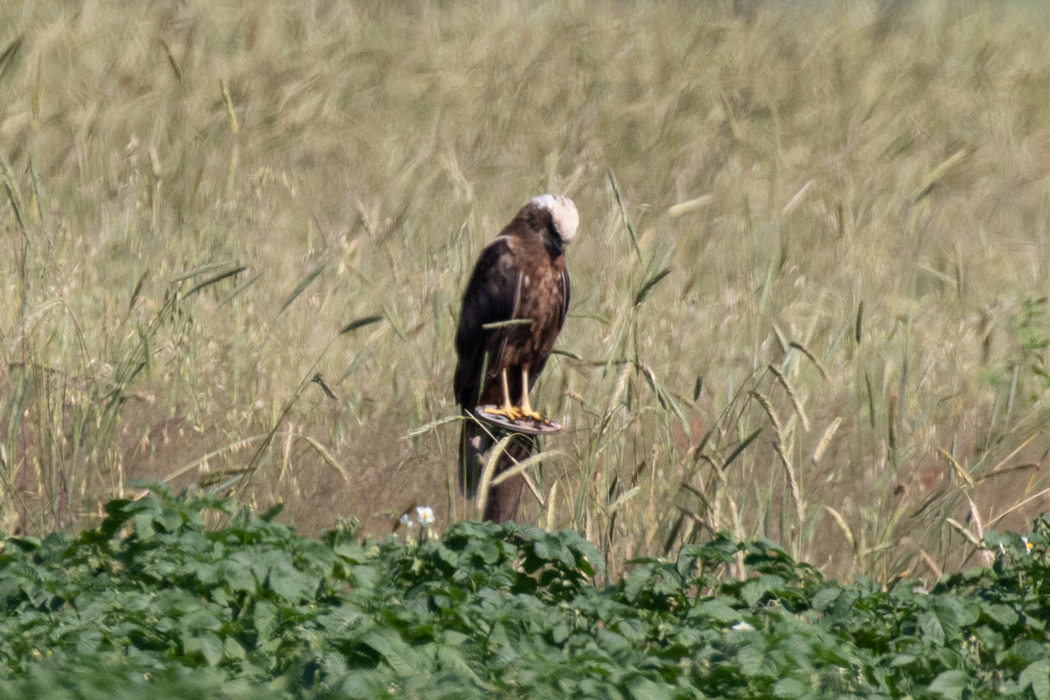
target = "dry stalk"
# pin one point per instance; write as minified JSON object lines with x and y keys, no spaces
{"x":811,"y":357}
{"x":957,"y":468}
{"x":965,"y":532}
{"x":796,"y":492}
{"x":1019,"y":504}
{"x":490,"y":469}
{"x":551,"y":499}
{"x":987,"y":558}
{"x":825,"y":440}
{"x":847,"y":531}
{"x":791,"y":395}
{"x":931,"y":564}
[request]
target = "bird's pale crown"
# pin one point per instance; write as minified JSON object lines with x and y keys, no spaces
{"x":563,"y":213}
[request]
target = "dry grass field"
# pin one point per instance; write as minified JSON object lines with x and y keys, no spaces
{"x":810,"y":282}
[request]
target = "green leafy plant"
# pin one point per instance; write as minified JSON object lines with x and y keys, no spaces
{"x":174,"y":594}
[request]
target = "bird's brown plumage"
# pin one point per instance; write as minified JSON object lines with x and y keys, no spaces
{"x":520,"y":275}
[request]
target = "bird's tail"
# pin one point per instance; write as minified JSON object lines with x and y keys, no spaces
{"x":475,"y":441}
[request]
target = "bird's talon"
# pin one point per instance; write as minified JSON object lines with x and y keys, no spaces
{"x":515,"y":414}
{"x":511,"y":413}
{"x":534,"y":416}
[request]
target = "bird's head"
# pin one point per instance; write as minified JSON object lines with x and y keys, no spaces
{"x":556,"y":219}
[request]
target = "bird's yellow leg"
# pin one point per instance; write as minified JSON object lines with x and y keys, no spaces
{"x":508,"y":409}
{"x":526,"y":405}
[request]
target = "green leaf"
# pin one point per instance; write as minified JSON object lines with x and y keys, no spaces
{"x":948,"y":610}
{"x":950,"y":684}
{"x":144,"y":529}
{"x":291,"y":584}
{"x":1037,"y":677}
{"x":264,"y":616}
{"x":931,"y":628}
{"x":238,"y":576}
{"x":1005,"y":615}
{"x":753,"y":590}
{"x":299,"y":288}
{"x":1024,"y":653}
{"x":205,"y":573}
{"x":742,"y":446}
{"x":789,"y":688}
{"x":718,"y":611}
{"x":207,"y":645}
{"x":844,"y":603}
{"x":118,"y":513}
{"x":644,"y":689}
{"x":623,"y":214}
{"x":201,"y":619}
{"x":635,"y":582}
{"x":647,"y":285}
{"x":824,"y":597}
{"x":216,"y":279}
{"x":449,"y":658}
{"x":364,"y":576}
{"x":398,"y":655}
{"x":751,"y":658}
{"x":232,"y":649}
{"x":360,"y":323}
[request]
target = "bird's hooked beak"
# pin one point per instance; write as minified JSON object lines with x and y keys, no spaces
{"x":553,"y":240}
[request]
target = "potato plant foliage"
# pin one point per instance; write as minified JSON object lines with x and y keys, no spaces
{"x":154,"y":603}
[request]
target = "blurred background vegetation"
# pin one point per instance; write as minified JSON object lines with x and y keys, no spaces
{"x":810,"y":284}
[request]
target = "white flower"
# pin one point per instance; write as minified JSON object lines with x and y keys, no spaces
{"x":424,"y":515}
{"x":1027,"y":545}
{"x":742,"y":626}
{"x":406,"y":522}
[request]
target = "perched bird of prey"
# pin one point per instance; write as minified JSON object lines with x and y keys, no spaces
{"x":520,"y":277}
